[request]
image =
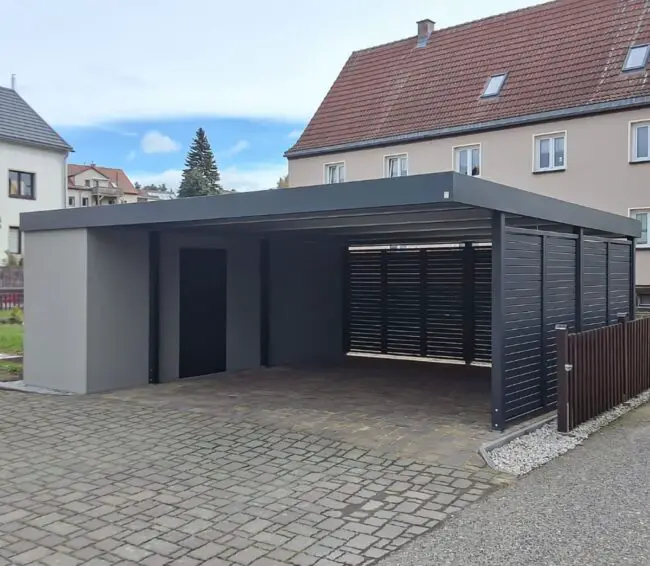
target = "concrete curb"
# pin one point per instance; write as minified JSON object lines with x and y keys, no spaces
{"x":487,"y":447}
{"x":20,"y":386}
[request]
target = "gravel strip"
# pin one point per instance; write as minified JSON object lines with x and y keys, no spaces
{"x":532,"y":450}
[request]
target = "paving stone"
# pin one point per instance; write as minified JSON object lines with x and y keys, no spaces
{"x":445,"y":499}
{"x":247,"y":555}
{"x":130,"y":552}
{"x":59,"y":559}
{"x":361,"y":541}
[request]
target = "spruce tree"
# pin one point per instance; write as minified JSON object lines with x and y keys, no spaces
{"x":201,"y":175}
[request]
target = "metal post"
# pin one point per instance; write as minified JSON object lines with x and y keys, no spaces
{"x":265,"y":283}
{"x":424,"y":292}
{"x":580,"y":279}
{"x":154,"y":307}
{"x":563,"y":369}
{"x":345,"y":287}
{"x":543,"y":370}
{"x":469,"y":293}
{"x":498,"y":320}
{"x":622,"y":319}
{"x":384,"y":302}
{"x":608,"y":285}
{"x":632,"y":301}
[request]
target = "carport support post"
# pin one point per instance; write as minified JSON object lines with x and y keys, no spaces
{"x":632,"y":278}
{"x":498,"y":320}
{"x":154,"y":307}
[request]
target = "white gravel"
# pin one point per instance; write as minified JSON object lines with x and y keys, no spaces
{"x":532,"y":450}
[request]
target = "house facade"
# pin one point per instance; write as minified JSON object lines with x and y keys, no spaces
{"x":93,"y":185}
{"x":570,"y":121}
{"x":32,"y":168}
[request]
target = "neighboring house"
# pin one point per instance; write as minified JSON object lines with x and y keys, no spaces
{"x":553,"y":99}
{"x":32,"y":167}
{"x":92,"y":185}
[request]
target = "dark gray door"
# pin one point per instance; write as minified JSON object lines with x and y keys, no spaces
{"x":202,"y":341}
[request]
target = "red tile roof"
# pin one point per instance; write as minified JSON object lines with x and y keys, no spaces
{"x":117,"y":176}
{"x":560,"y":55}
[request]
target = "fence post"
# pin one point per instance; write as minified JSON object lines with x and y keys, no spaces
{"x":563,"y":369}
{"x":622,"y":319}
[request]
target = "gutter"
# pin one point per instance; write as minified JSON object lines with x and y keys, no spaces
{"x":502,"y":123}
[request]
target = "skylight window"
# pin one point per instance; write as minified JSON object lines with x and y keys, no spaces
{"x":494,"y":85}
{"x":637,"y":58}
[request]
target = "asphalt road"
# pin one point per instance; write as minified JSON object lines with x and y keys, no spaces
{"x":589,"y":507}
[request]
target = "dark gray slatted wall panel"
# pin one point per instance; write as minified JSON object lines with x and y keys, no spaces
{"x":523,"y":324}
{"x":403,"y":303}
{"x":595,"y":284}
{"x":445,"y":303}
{"x":365,"y":301}
{"x":483,"y":304}
{"x":619,"y":280}
{"x":559,"y":303}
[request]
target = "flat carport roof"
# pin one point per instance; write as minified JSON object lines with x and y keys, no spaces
{"x":436,"y":207}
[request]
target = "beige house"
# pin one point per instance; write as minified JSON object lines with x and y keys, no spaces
{"x":92,"y":185}
{"x":553,"y":99}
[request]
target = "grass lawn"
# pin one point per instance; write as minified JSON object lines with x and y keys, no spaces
{"x":10,"y":371}
{"x":11,"y":338}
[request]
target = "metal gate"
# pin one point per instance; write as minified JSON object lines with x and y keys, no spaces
{"x":427,"y":302}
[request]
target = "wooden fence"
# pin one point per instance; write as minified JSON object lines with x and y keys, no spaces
{"x":10,"y":298}
{"x":600,"y":369}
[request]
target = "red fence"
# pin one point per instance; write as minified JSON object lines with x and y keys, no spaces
{"x":600,"y":369}
{"x":10,"y":298}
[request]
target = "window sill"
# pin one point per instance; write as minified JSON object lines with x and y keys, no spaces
{"x":643,"y":246}
{"x":545,"y":171}
{"x":639,"y":161}
{"x":22,"y":197}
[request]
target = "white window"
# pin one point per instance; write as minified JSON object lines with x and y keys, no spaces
{"x":641,"y":216}
{"x":640,"y":141}
{"x":396,"y":166}
{"x":84,"y":201}
{"x":494,"y":85}
{"x":467,"y":160}
{"x":637,"y":58}
{"x":550,"y":152}
{"x":14,"y":240}
{"x":643,"y":300}
{"x":72,"y":201}
{"x":335,"y":173}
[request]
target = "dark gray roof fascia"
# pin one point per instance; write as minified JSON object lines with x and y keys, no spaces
{"x":358,"y":198}
{"x":600,"y":107}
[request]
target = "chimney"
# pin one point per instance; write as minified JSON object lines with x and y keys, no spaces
{"x":13,"y":81}
{"x":425,"y":29}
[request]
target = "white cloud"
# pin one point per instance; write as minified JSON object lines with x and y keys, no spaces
{"x":155,"y":142}
{"x":253,"y":177}
{"x":132,"y":155}
{"x":241,"y":145}
{"x":294,"y":134}
{"x":126,"y":79}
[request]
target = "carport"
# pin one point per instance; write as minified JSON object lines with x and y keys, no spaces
{"x":439,"y":266}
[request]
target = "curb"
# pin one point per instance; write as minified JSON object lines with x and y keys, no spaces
{"x":487,"y":447}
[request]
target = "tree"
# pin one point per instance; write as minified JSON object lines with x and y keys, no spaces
{"x":201,"y":175}
{"x":283,"y":182}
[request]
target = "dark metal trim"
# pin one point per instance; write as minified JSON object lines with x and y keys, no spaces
{"x":469,"y":291}
{"x":533,"y":232}
{"x":580,"y":280}
{"x":498,"y":321}
{"x":265,"y":294}
{"x":384,"y":301}
{"x":632,"y":298}
{"x":378,"y":198}
{"x":608,"y":284}
{"x":154,"y":307}
{"x":345,"y":288}
{"x":543,"y":370}
{"x":424,"y":294}
{"x":501,"y":123}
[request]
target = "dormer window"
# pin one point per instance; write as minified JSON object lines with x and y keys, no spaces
{"x":494,"y":85}
{"x":637,"y":58}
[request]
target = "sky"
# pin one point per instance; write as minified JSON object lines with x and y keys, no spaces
{"x":128,"y":83}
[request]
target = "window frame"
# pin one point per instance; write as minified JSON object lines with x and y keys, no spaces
{"x":336,"y":164}
{"x":640,"y":67}
{"x":87,"y":199}
{"x":643,"y":210}
{"x":632,"y":141}
{"x":72,"y":201}
{"x":465,"y":147}
{"x":20,"y":240}
{"x":489,"y":81}
{"x":537,"y":139}
{"x":20,"y":174}
{"x":399,"y":157}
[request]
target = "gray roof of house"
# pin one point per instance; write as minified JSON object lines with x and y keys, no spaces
{"x":20,"y":123}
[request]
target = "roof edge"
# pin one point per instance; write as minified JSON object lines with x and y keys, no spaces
{"x":67,"y":148}
{"x":502,"y":123}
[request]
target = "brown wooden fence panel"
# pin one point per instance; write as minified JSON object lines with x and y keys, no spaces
{"x":600,"y":369}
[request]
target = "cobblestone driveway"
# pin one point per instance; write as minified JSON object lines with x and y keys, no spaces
{"x":94,"y":480}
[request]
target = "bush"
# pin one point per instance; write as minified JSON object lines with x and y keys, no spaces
{"x":16,"y":316}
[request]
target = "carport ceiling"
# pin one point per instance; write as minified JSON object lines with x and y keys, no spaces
{"x":437,"y":206}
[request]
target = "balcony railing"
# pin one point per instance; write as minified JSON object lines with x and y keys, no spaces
{"x":107,"y":191}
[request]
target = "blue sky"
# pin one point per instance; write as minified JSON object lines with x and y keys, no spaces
{"x":127,"y":83}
